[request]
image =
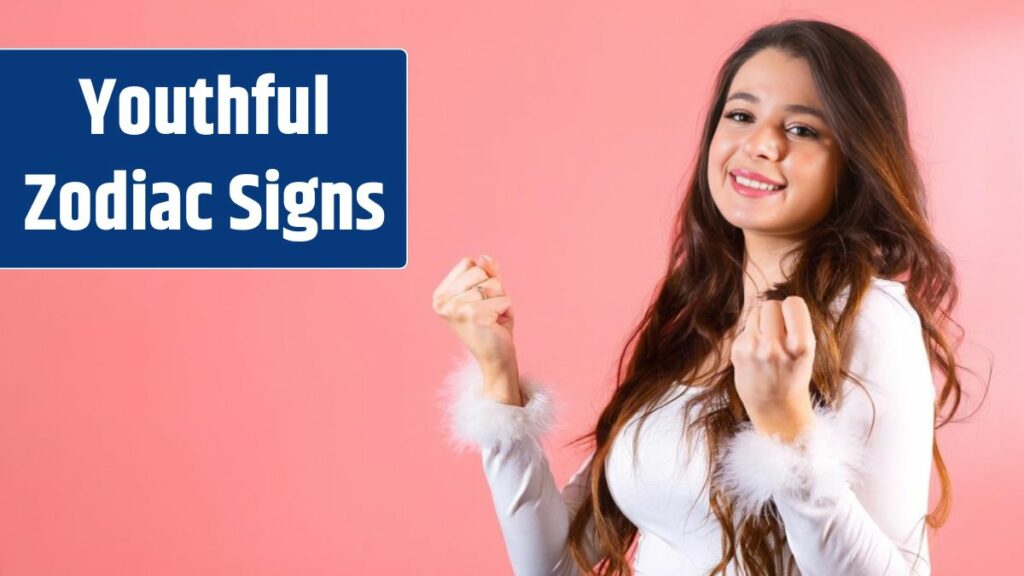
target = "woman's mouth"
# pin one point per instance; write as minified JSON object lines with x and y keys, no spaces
{"x":752,"y":189}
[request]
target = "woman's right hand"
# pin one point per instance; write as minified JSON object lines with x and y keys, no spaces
{"x":472,"y":300}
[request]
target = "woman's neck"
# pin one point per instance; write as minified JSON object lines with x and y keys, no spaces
{"x":767,"y":260}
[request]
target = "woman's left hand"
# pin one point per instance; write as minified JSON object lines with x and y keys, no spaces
{"x":773,"y":358}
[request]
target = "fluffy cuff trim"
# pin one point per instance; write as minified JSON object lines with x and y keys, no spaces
{"x":477,"y":421}
{"x":820,"y":463}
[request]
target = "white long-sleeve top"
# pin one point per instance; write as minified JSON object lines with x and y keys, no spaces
{"x":852,"y":503}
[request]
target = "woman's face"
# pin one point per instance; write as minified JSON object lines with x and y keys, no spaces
{"x":768,"y":130}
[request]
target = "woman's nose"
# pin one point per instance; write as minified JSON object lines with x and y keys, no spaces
{"x":765,"y":142}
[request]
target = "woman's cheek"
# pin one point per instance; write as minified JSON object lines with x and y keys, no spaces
{"x":719,"y":152}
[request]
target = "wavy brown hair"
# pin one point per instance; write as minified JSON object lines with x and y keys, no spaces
{"x":878,"y":227}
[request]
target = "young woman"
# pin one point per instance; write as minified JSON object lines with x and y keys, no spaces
{"x":777,"y":411}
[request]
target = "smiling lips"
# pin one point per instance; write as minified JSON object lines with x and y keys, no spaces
{"x":752,"y":184}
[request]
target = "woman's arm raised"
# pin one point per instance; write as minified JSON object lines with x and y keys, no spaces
{"x":854,"y":503}
{"x":533,"y":513}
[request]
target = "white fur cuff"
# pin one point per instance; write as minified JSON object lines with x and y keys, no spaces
{"x":818,"y":465}
{"x":477,"y":421}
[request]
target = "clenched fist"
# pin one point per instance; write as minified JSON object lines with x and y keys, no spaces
{"x":773,"y":359}
{"x":473,"y":301}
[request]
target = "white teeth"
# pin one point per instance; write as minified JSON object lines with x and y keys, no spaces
{"x":755,"y":184}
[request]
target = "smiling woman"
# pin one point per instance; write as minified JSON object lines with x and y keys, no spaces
{"x":790,"y":348}
{"x":773,"y":163}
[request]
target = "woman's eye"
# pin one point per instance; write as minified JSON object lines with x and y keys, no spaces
{"x":744,"y":117}
{"x":732,"y":115}
{"x":807,"y":132}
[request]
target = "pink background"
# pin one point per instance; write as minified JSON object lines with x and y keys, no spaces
{"x":286,"y":422}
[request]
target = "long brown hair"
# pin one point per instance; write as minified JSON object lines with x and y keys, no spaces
{"x":877,"y":227}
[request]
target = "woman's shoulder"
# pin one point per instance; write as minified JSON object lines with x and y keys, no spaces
{"x":888,"y":352}
{"x":888,"y":338}
{"x":884,"y":303}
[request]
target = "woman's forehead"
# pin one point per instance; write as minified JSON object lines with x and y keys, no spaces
{"x":774,"y":78}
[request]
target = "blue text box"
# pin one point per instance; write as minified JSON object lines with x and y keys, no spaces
{"x":337,"y":182}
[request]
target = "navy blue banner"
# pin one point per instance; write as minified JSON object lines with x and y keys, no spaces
{"x":204,"y":159}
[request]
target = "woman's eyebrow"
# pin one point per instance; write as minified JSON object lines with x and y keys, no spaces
{"x":799,"y":108}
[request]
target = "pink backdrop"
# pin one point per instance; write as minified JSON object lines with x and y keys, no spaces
{"x":286,"y":422}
